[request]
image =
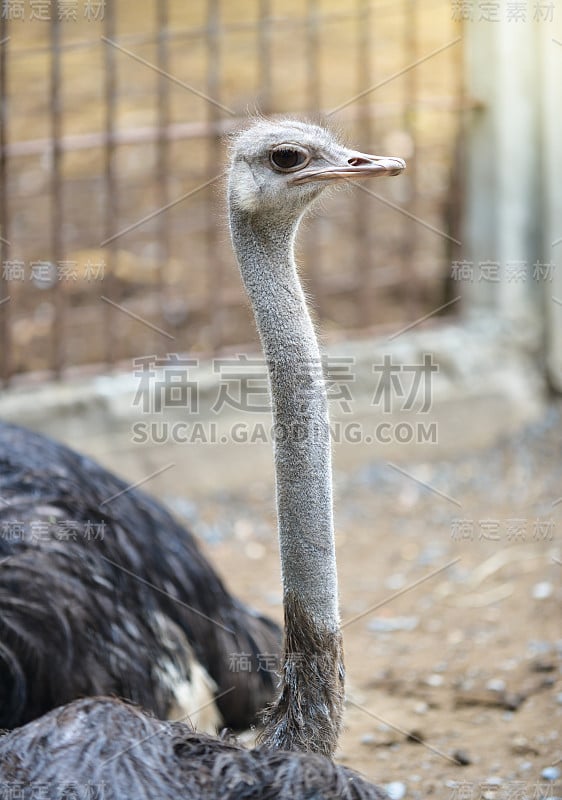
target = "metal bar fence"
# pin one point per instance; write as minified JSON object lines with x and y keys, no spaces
{"x":163,"y":149}
{"x":134,"y":193}
{"x":363,"y":248}
{"x":57,"y":214}
{"x":110,"y":319}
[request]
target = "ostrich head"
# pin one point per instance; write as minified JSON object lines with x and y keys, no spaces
{"x":280,"y":166}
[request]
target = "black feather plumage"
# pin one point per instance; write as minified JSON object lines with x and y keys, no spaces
{"x":128,"y":755}
{"x":97,"y":594}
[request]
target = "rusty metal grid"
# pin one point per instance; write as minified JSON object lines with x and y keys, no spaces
{"x":112,"y":157}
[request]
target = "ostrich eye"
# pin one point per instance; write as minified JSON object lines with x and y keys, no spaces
{"x":287,"y":159}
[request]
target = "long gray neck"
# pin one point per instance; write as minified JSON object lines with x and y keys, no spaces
{"x":304,"y":488}
{"x":300,"y":415}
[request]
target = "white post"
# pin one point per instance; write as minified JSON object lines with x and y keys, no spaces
{"x":513,"y":169}
{"x":551,"y":154}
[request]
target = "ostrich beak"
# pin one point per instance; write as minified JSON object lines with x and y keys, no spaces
{"x":353,"y":165}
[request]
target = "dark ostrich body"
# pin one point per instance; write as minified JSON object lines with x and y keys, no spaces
{"x":112,"y":597}
{"x":87,"y":751}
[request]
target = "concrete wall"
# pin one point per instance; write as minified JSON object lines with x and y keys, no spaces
{"x":513,"y":203}
{"x":481,"y":388}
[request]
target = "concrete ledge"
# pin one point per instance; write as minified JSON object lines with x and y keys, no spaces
{"x":488,"y":383}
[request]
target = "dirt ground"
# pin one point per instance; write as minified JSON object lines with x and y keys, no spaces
{"x":450,"y":597}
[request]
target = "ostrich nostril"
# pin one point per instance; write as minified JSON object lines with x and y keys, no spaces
{"x":356,"y":161}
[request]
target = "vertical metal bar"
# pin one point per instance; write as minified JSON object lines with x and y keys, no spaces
{"x":214,"y":267}
{"x":57,"y":243}
{"x":111,"y":320}
{"x":364,"y":251}
{"x":409,"y":238}
{"x":264,"y":56}
{"x":312,"y":56}
{"x":5,"y":339}
{"x":163,"y":150}
{"x":312,"y":251}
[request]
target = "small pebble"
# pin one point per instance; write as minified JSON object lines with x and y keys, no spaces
{"x":431,"y":554}
{"x":538,"y":647}
{"x":396,"y":790}
{"x":543,"y":664}
{"x":542,"y":590}
{"x":255,"y":551}
{"x":393,"y":624}
{"x":435,"y":680}
{"x":496,"y":685}
{"x":367,"y":739}
{"x":396,"y":581}
{"x":550,"y":773}
{"x":521,"y":746}
{"x":243,"y":530}
{"x":462,"y":758}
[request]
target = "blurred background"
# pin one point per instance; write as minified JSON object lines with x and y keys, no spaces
{"x":438,"y":296}
{"x":115,"y":111}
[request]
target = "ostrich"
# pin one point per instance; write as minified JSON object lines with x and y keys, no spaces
{"x":277,"y":169}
